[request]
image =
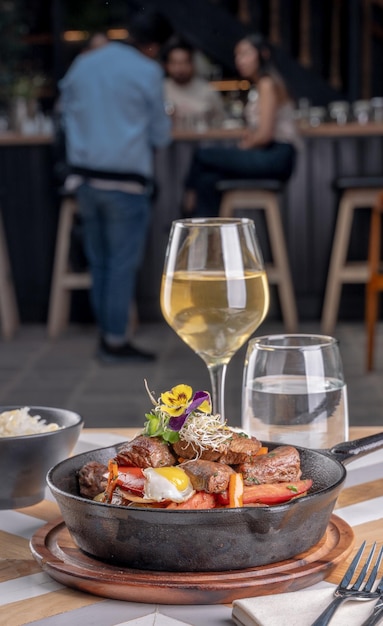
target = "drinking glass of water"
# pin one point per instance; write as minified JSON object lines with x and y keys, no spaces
{"x":294,"y":391}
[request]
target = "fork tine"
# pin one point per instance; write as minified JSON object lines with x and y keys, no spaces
{"x":357,"y":592}
{"x":359,"y":581}
{"x":374,"y":573}
{"x":379,"y":588}
{"x":351,"y":570}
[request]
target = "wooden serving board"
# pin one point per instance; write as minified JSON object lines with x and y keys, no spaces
{"x":55,"y":551}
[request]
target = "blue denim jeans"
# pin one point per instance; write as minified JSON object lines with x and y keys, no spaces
{"x":115,"y":226}
{"x":211,"y":165}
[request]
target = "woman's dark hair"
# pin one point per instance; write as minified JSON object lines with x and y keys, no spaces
{"x":266,"y":65}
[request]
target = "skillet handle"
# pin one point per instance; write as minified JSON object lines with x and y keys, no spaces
{"x":348,"y":450}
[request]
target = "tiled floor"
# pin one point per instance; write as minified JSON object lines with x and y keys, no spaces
{"x":37,"y":371}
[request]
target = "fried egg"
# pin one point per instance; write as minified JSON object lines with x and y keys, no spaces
{"x":167,"y":483}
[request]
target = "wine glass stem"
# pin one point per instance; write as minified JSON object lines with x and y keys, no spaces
{"x":217,"y":378}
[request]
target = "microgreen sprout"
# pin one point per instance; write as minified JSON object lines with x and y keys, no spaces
{"x":180,"y":414}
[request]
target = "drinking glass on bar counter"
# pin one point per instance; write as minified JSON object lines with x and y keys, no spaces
{"x":339,"y":111}
{"x":361,"y":110}
{"x":377,"y":109}
{"x":294,"y":391}
{"x":317,"y":115}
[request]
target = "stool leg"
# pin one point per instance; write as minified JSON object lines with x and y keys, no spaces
{"x":371,"y":319}
{"x":337,"y":261}
{"x":228,"y":204}
{"x":8,"y":307}
{"x":267,"y":201}
{"x":281,"y":262}
{"x":59,"y":302}
{"x":372,"y":288}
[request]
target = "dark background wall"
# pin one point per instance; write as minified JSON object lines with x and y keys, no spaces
{"x":320,"y":66}
{"x":326,"y":48}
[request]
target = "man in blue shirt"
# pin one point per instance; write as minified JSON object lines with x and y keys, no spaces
{"x":114,"y":117}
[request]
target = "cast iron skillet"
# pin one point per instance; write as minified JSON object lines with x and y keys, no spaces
{"x":210,"y":540}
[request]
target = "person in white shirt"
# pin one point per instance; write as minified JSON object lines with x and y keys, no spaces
{"x":190,"y":98}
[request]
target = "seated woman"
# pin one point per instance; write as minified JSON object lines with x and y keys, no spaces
{"x":268,"y":147}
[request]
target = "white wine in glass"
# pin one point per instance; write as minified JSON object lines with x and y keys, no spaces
{"x":214,"y":290}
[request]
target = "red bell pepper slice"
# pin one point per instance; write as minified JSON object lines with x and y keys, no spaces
{"x":199,"y":500}
{"x":131,"y":479}
{"x":273,"y":493}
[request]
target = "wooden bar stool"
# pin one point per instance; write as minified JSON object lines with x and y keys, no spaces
{"x":375,"y":277}
{"x":357,"y":193}
{"x":263,"y":195}
{"x":64,"y":279}
{"x":9,"y":314}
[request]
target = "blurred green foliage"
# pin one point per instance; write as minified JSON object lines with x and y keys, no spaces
{"x":12,"y":47}
{"x":95,"y":15}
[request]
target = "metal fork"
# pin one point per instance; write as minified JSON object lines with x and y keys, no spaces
{"x":377,"y":614}
{"x":358,"y":591}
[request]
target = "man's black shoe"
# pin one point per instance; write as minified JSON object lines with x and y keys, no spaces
{"x":123,"y":354}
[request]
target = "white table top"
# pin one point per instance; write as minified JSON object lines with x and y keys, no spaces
{"x":29,"y":595}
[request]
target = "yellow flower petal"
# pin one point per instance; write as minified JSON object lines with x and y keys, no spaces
{"x":183,"y":393}
{"x":178,"y":396}
{"x":205,"y":407}
{"x":173,"y":411}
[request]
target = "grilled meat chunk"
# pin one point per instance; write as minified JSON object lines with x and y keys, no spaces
{"x":143,"y":451}
{"x":91,"y":480}
{"x":280,"y":465}
{"x":208,"y":475}
{"x":237,"y":449}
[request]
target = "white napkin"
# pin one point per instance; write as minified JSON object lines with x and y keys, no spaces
{"x":298,"y":608}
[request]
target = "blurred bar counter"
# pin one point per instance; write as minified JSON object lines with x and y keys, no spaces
{"x":10,"y":138}
{"x":350,"y":129}
{"x":30,"y":205}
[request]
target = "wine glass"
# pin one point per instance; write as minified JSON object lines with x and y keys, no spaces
{"x":214,"y":290}
{"x":294,"y":391}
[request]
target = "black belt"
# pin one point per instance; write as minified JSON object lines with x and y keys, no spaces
{"x":87,"y":173}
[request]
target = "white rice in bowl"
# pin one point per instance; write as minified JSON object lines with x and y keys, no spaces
{"x":20,"y":422}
